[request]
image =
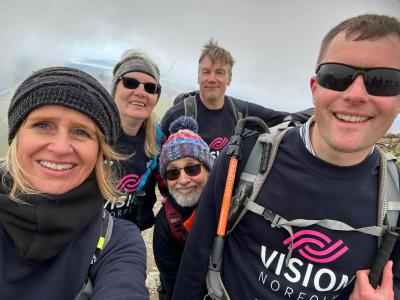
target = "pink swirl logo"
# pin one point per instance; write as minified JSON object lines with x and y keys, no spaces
{"x":316,"y":246}
{"x":128,"y":183}
{"x":218,"y":143}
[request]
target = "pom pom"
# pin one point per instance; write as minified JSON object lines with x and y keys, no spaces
{"x":183,"y":123}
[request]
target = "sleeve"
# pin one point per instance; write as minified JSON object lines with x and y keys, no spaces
{"x":167,"y":253}
{"x":120,"y":272}
{"x":269,"y":116}
{"x":190,"y":283}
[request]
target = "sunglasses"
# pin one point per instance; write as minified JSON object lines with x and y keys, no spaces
{"x":377,"y":81}
{"x":132,"y":84}
{"x":191,"y":170}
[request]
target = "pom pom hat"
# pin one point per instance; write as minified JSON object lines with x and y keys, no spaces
{"x":184,"y":142}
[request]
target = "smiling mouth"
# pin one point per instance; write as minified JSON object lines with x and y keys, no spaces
{"x":56,"y":167}
{"x":186,"y":190}
{"x":137,"y":103}
{"x":351,"y":118}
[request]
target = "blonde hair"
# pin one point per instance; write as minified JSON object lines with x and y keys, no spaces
{"x":151,"y":147}
{"x":12,"y":169}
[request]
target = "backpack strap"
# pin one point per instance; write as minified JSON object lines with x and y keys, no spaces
{"x":104,"y":238}
{"x":237,"y":111}
{"x":265,"y":149}
{"x":276,"y":220}
{"x":389,"y":196}
{"x":190,"y":107}
{"x":175,"y":222}
{"x":152,"y":164}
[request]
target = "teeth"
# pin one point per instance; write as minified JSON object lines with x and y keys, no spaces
{"x":136,"y":103}
{"x":54,"y":166}
{"x":350,"y":118}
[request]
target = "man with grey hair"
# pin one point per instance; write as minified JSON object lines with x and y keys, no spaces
{"x":215,"y":112}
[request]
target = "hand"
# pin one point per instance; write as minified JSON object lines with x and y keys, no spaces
{"x":364,"y":291}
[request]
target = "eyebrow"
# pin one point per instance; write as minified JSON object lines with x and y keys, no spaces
{"x":74,"y":123}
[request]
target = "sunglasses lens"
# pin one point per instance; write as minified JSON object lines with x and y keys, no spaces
{"x":378,"y":81}
{"x":172,"y":174}
{"x":335,"y":77}
{"x":383,"y":82}
{"x":193,"y":170}
{"x":130,"y":83}
{"x":150,"y":88}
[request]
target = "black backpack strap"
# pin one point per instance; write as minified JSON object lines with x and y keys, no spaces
{"x":238,"y":111}
{"x":105,"y":236}
{"x":190,"y":107}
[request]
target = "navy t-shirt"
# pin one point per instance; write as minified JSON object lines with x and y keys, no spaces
{"x":216,"y":126}
{"x":323,"y":262}
{"x":130,"y":173}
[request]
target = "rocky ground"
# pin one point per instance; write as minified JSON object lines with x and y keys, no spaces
{"x":152,"y":280}
{"x":390,"y":143}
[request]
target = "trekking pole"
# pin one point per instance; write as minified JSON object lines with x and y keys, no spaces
{"x":383,"y":255}
{"x":235,"y":153}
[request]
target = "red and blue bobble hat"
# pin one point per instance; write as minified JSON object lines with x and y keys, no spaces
{"x":184,"y":142}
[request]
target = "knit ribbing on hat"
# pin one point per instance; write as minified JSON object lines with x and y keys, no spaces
{"x":136,"y":64}
{"x":184,"y":143}
{"x":67,"y":87}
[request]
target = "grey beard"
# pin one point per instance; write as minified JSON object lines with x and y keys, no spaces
{"x":186,"y":200}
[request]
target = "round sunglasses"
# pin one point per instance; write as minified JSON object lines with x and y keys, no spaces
{"x":132,"y":84}
{"x":378,"y":81}
{"x":191,"y":170}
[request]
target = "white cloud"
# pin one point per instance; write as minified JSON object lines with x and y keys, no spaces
{"x":275,"y":43}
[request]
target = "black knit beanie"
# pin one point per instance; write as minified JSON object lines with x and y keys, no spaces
{"x":68,"y":87}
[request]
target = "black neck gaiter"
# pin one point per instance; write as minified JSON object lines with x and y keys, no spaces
{"x":44,"y":226}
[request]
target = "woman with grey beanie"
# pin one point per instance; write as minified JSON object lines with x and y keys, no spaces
{"x":56,"y":239}
{"x":136,"y":90}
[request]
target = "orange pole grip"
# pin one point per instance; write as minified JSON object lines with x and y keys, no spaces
{"x":226,"y":200}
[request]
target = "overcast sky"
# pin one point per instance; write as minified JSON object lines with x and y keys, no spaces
{"x":274,"y":43}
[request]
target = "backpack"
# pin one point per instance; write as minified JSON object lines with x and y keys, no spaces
{"x":178,"y":227}
{"x":189,"y":101}
{"x":256,"y":170}
{"x":105,"y":236}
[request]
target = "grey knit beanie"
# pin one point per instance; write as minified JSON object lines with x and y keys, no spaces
{"x":68,"y":87}
{"x":134,"y":62}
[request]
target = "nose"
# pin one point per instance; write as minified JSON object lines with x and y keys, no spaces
{"x":357,"y":91}
{"x":60,"y":144}
{"x":183,"y":178}
{"x":211,"y":77}
{"x":140,"y":91}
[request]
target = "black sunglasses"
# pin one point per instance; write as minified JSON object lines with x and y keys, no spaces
{"x":132,"y":84}
{"x":191,"y":170}
{"x":377,"y":81}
